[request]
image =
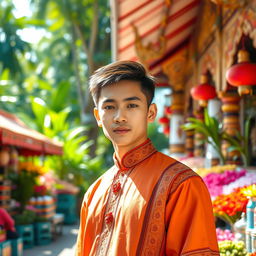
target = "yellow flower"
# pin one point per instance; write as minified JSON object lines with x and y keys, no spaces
{"x":250,"y":191}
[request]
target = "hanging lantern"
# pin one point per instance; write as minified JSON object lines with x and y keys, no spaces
{"x":164,"y":120}
{"x":166,"y":130}
{"x":167,"y":111}
{"x":203,"y":92}
{"x":4,"y":156}
{"x":243,"y":74}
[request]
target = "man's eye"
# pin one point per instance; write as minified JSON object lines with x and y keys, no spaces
{"x":132,"y":105}
{"x":109,"y":107}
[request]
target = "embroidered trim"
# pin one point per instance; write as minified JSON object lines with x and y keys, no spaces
{"x":201,"y":252}
{"x":153,"y":231}
{"x":136,"y":155}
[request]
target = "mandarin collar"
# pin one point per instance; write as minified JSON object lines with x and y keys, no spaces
{"x":135,"y":155}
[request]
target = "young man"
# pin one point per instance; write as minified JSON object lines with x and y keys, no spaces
{"x":147,"y":203}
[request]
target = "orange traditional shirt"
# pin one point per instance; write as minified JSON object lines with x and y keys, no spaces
{"x":149,"y":204}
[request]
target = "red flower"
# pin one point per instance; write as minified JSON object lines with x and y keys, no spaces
{"x":230,"y":207}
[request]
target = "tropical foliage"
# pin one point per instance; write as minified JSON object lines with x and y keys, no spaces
{"x":214,"y":134}
{"x":45,"y":83}
{"x":211,"y":129}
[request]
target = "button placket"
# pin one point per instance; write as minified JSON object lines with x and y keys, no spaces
{"x":109,"y":217}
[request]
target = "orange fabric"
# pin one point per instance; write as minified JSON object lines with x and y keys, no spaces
{"x":148,"y":203}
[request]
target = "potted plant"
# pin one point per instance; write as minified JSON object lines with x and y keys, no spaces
{"x":211,"y":129}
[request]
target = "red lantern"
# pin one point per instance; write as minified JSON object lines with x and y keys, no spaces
{"x":164,"y":120}
{"x":166,"y":130}
{"x":243,"y":74}
{"x":203,"y":92}
{"x":167,"y":111}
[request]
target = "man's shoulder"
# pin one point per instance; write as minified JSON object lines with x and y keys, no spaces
{"x":175,"y":168}
{"x":174,"y":164}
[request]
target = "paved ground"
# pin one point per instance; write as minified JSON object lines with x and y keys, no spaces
{"x":64,"y":245}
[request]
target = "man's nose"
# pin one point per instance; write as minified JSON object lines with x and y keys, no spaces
{"x":120,"y":116}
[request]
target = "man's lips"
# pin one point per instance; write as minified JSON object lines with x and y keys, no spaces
{"x":121,"y":130}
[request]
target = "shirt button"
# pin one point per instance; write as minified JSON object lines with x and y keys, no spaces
{"x":109,"y":218}
{"x":116,"y":187}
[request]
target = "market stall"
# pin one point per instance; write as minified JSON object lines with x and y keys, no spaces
{"x":21,"y":179}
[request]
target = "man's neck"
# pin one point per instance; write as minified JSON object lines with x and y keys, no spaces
{"x":120,"y":152}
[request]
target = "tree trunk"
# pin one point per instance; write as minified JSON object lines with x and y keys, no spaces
{"x":88,"y":106}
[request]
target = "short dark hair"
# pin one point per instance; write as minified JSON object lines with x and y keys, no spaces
{"x":118,"y":71}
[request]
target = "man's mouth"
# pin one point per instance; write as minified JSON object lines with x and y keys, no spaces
{"x":121,"y":130}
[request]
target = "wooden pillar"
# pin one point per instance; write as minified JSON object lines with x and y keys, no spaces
{"x":199,"y":145}
{"x":177,"y":135}
{"x":230,"y":108}
{"x":189,"y":143}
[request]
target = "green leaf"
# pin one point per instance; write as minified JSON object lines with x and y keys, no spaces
{"x":40,"y":110}
{"x":59,"y":96}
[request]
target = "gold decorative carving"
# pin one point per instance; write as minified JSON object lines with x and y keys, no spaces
{"x":175,"y":69}
{"x":244,"y":22}
{"x":149,"y":53}
{"x":206,"y":26}
{"x":208,"y":61}
{"x":231,"y":3}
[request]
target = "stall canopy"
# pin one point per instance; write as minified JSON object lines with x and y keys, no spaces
{"x":29,"y":142}
{"x":156,"y":28}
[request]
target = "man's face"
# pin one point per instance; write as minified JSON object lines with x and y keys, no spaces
{"x":123,"y":113}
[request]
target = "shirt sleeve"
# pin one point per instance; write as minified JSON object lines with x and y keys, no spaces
{"x":8,"y":220}
{"x":80,"y":237}
{"x":190,"y":221}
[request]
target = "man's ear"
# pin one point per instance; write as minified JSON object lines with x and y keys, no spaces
{"x":152,"y":111}
{"x":97,"y":116}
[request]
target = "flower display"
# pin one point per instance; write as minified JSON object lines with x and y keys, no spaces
{"x":232,"y":248}
{"x":32,"y":168}
{"x":223,"y":235}
{"x":215,"y":169}
{"x":248,"y":179}
{"x":230,"y":207}
{"x":40,"y":190}
{"x":249,"y":191}
{"x":24,"y":181}
{"x":216,"y":181}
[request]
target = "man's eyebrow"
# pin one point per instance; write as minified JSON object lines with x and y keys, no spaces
{"x":132,"y":98}
{"x":108,"y":100}
{"x":126,"y":99}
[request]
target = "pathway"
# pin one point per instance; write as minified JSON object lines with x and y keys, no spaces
{"x":64,"y":245}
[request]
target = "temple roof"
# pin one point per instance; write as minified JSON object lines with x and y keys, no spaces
{"x":154,"y":21}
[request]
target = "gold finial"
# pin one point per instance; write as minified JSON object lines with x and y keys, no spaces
{"x":243,"y":56}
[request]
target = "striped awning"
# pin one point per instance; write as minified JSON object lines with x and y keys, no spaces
{"x":150,"y":17}
{"x":29,"y":142}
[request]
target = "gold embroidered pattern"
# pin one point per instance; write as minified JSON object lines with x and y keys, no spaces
{"x":153,"y":232}
{"x":138,"y":154}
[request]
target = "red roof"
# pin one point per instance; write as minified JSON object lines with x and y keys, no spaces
{"x":29,"y":142}
{"x":147,"y":16}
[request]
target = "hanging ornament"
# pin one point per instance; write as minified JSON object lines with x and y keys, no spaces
{"x":242,"y":74}
{"x":203,"y":92}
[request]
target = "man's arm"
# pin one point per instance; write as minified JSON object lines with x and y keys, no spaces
{"x":81,"y":234}
{"x":190,"y":221}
